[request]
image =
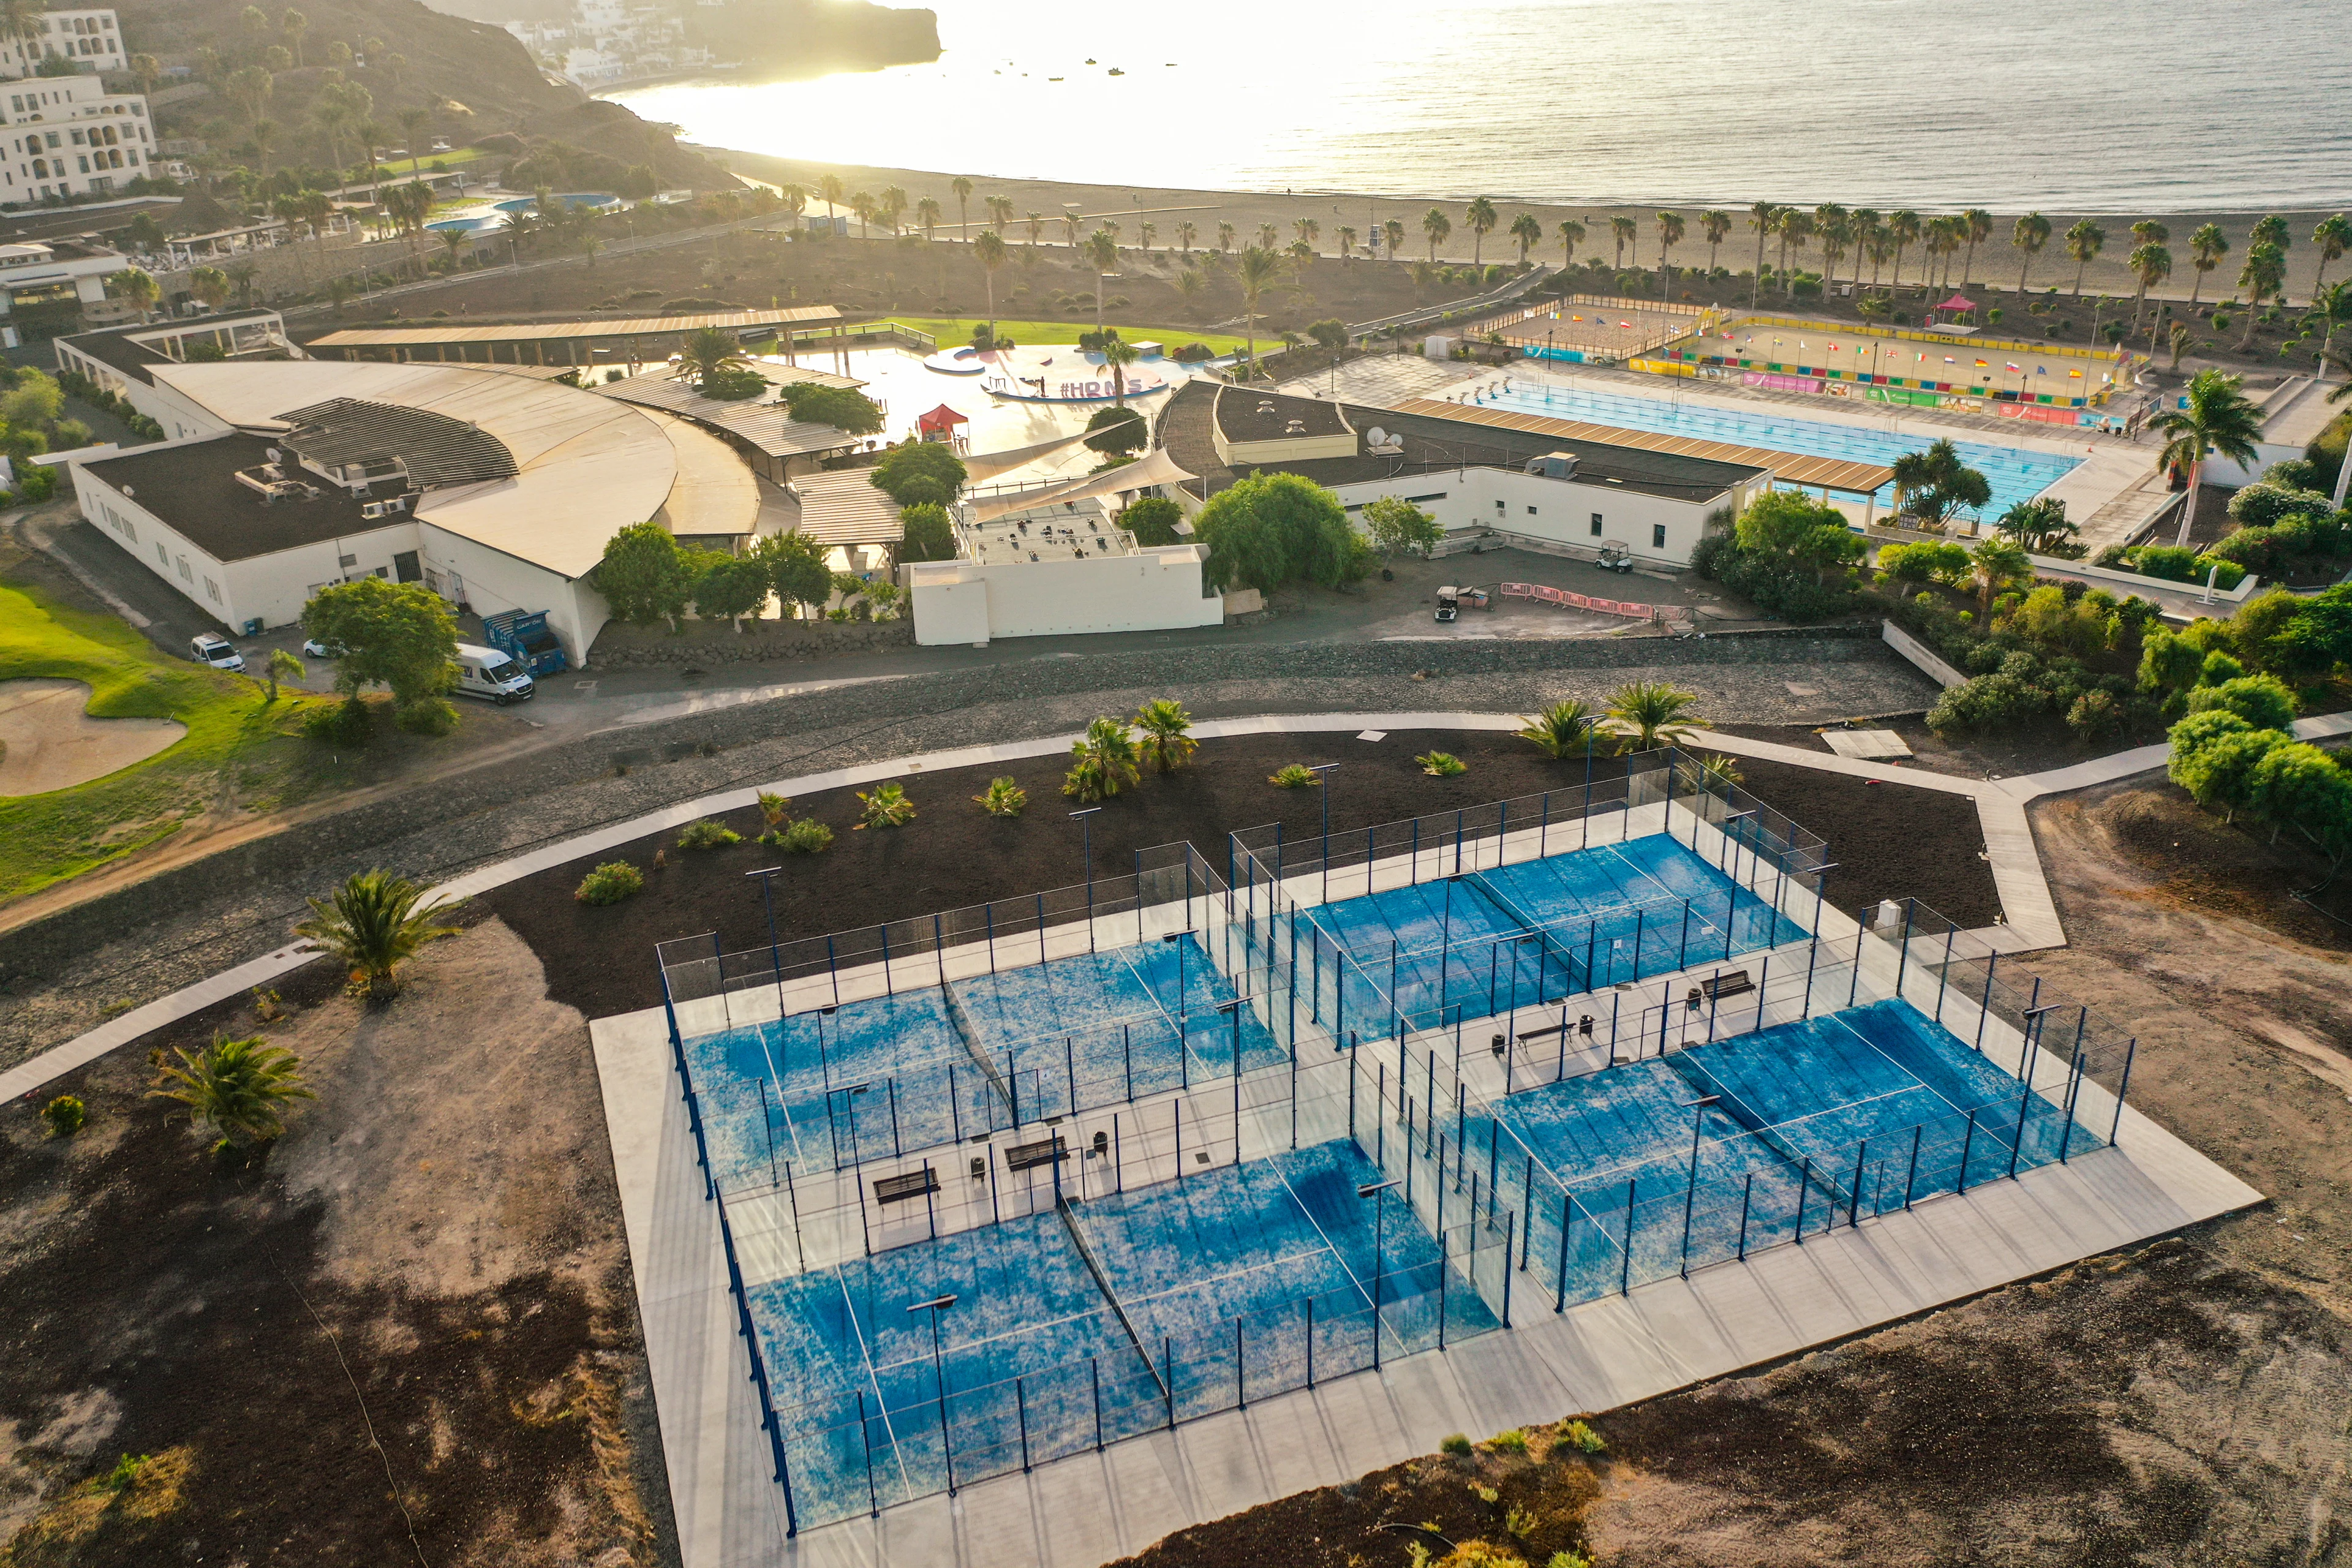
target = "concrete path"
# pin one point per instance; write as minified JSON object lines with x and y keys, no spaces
{"x":2030,"y":919}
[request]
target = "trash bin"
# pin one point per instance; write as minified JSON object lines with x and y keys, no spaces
{"x":253,"y":628}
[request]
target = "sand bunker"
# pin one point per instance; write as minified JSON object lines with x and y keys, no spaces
{"x":47,"y":742}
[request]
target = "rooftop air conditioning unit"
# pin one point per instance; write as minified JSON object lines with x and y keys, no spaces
{"x":1554,"y":466}
{"x":273,"y":454}
{"x":373,"y":509}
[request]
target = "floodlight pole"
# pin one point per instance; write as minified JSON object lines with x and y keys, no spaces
{"x":775,"y":958}
{"x":935,"y":1306}
{"x":1323,"y":772}
{"x":1373,"y":1190}
{"x":1085,"y":820}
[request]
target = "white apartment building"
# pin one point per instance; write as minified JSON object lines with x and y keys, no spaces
{"x":68,"y":137}
{"x":91,"y":40}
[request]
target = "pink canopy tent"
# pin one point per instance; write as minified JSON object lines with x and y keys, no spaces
{"x":1956,"y":305}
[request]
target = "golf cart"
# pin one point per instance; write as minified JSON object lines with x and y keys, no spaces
{"x":1452,"y":601}
{"x":1615,"y":556}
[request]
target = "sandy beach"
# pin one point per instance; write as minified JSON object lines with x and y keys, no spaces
{"x":1996,"y":264}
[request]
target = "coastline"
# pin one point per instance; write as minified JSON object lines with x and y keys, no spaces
{"x":1996,"y":265}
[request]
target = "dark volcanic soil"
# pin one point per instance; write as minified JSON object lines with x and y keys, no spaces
{"x":1918,"y":844}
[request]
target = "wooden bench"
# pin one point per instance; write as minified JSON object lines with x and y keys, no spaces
{"x":1736,"y":983}
{"x":1546,"y":1032}
{"x":1044,"y":1151}
{"x":913,"y":1184}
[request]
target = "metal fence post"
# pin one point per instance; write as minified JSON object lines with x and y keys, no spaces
{"x":1567,"y":1218}
{"x":1968,"y":1142}
{"x":1020,"y":1404}
{"x":1625,"y":1267}
{"x":1746,"y":1192}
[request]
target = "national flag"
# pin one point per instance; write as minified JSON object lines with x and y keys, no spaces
{"x":1949,"y":360}
{"x":2013,"y":366}
{"x":1980,"y":364}
{"x":2076,"y":374}
{"x":2042,"y":370}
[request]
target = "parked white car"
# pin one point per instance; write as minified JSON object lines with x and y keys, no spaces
{"x":207,"y":648}
{"x":492,"y":675}
{"x":317,"y":649}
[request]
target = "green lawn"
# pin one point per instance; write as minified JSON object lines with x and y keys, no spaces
{"x":1040,"y":334}
{"x":234,"y":741}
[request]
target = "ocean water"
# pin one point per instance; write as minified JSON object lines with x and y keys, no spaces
{"x":2121,"y":107}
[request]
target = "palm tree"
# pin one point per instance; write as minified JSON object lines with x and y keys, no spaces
{"x":2334,"y":304}
{"x":927,"y":217}
{"x":2333,"y":237}
{"x":2264,"y":274}
{"x":453,"y":240}
{"x":1976,"y":227}
{"x":1647,"y":714}
{"x":2084,"y":242}
{"x":1670,"y":234}
{"x":1943,"y":237}
{"x":1268,"y":236}
{"x":1571,"y":235}
{"x":1763,"y":217}
{"x":1861,"y":228}
{"x":2215,"y":417}
{"x":862,"y":204}
{"x":2179,"y":340}
{"x":962,"y":187}
{"x":1934,"y":484}
{"x":1560,"y":728}
{"x":1436,"y":226}
{"x":1224,"y":236}
{"x":239,"y":1089}
{"x":1394,"y":230}
{"x":209,"y":285}
{"x":1166,"y":733}
{"x":137,"y":285}
{"x":2037,"y":524}
{"x":989,"y":251}
{"x":1794,"y":225}
{"x":1482,"y":218}
{"x":1102,"y":254}
{"x":1000,"y":212}
{"x":890,"y":205}
{"x":376,"y":923}
{"x":1995,"y":564}
{"x":1187,"y":231}
{"x":1624,"y":231}
{"x":283,"y":666}
{"x":2206,"y":248}
{"x":706,"y":351}
{"x":1118,"y":354}
{"x":1716,"y":224}
{"x":1259,"y":271}
{"x":1035,"y":224}
{"x":1347,"y":237}
{"x":2151,"y":263}
{"x":1902,"y":229}
{"x":1102,"y":762}
{"x":1527,"y":229}
{"x":2031,"y":233}
{"x":831,"y":188}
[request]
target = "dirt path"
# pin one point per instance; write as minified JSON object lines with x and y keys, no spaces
{"x":432,"y":1261}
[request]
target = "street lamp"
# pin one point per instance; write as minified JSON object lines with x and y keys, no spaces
{"x":1373,"y":1190}
{"x":1321,"y":771}
{"x":935,"y":1306}
{"x":1085,"y":820}
{"x":775,"y":960}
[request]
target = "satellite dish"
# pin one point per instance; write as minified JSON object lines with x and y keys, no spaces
{"x":1377,"y":437}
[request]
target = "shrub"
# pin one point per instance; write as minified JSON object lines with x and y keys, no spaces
{"x":610,"y":883}
{"x":2096,"y":715}
{"x":2267,"y":502}
{"x":705,"y":834}
{"x":2262,"y":701}
{"x":1512,"y":1440}
{"x":1103,"y":761}
{"x":1481,"y":1554}
{"x":775,"y":810}
{"x":1003,"y":798}
{"x":806,"y":837}
{"x":344,"y":723}
{"x":1442,"y":764}
{"x":1153,"y":520}
{"x":1578,"y":1559}
{"x":885,"y":806}
{"x":425,"y":716}
{"x":1117,"y":430}
{"x":64,"y":1116}
{"x":1581,"y":1437}
{"x":1295,"y":775}
{"x":1456,"y":1443}
{"x":1194,"y":354}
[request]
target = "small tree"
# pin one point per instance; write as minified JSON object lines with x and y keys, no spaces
{"x":844,"y":408}
{"x":283,"y":666}
{"x":1118,"y":431}
{"x":915,"y":472}
{"x":730,"y":587}
{"x":1998,"y":562}
{"x":1166,"y":733}
{"x":399,"y":634}
{"x":1561,"y":730}
{"x":2262,"y":701}
{"x":1272,"y":529}
{"x":797,"y":569}
{"x":1152,"y":520}
{"x":237,"y":1089}
{"x":644,"y":576}
{"x":376,"y":923}
{"x":1396,"y":525}
{"x":926,"y":533}
{"x":1649,"y":713}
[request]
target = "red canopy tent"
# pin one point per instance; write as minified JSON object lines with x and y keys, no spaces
{"x":1958,"y":305}
{"x":939,"y":424}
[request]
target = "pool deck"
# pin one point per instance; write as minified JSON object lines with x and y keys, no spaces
{"x":2110,"y":468}
{"x":1084,"y":1510}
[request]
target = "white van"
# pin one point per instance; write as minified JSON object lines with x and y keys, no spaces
{"x":492,"y":674}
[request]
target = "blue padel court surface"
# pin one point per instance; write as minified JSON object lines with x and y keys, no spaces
{"x":937,"y":1064}
{"x":1810,"y":1123}
{"x":1485,"y":942}
{"x":1095,"y":1322}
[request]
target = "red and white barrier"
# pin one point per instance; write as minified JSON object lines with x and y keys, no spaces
{"x":1569,"y":599}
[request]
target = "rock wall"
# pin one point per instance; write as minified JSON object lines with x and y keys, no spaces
{"x":700,"y":645}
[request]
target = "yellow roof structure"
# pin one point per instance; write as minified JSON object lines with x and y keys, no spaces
{"x":549,"y":331}
{"x":843,"y":507}
{"x":1791,"y":468}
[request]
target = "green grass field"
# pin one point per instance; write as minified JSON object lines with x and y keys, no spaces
{"x":235,"y":742}
{"x":1040,"y":334}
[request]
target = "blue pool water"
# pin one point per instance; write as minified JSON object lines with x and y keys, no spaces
{"x":2015,"y":475}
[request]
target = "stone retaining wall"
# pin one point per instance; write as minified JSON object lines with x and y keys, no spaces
{"x":704,"y":643}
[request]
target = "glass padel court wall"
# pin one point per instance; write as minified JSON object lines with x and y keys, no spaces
{"x":1004,"y":1184}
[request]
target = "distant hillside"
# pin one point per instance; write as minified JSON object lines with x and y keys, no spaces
{"x":475,"y":81}
{"x":769,"y":37}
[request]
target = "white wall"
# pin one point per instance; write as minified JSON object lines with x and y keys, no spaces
{"x":1155,"y":589}
{"x":488,"y":581}
{"x":1554,"y":511}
